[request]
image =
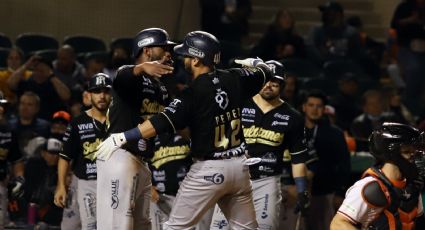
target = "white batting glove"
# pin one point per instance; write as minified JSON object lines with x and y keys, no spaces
{"x":249,"y":62}
{"x":108,"y":146}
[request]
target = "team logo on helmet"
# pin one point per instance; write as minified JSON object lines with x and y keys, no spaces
{"x":272,"y":67}
{"x":196,"y":52}
{"x":145,"y":42}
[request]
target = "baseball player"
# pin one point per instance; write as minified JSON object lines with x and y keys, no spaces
{"x":83,"y":135}
{"x":270,"y":126}
{"x":124,"y":181}
{"x":388,"y":196}
{"x":210,"y":108}
{"x":169,"y":166}
{"x":9,"y":153}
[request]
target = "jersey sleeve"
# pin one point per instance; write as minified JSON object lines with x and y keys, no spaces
{"x":175,"y":116}
{"x":354,"y":207}
{"x":252,"y":79}
{"x":297,"y":142}
{"x":125,"y":84}
{"x":69,"y":142}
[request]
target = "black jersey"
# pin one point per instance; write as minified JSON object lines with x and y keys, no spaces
{"x":81,"y":139}
{"x":135,"y":99}
{"x":170,"y":162}
{"x":268,"y":135}
{"x":9,"y":151}
{"x":210,"y":107}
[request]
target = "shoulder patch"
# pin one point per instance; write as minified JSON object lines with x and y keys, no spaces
{"x":372,"y":193}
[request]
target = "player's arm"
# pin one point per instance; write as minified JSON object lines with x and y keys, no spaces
{"x":173,"y":118}
{"x":341,"y":222}
{"x":60,"y":193}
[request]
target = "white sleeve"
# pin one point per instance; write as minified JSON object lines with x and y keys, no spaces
{"x":420,"y":206}
{"x":354,"y":207}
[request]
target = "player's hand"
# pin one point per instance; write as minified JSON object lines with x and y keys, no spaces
{"x":108,"y":146}
{"x":303,"y":203}
{"x":249,"y":62}
{"x":60,"y":197}
{"x":154,"y":68}
{"x":16,"y":187}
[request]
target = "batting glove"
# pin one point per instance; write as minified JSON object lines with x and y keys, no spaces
{"x":250,"y":62}
{"x":16,"y":187}
{"x":303,"y":203}
{"x":108,"y":146}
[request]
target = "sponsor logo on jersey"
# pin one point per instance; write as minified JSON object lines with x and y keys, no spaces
{"x":282,"y":116}
{"x":220,"y":224}
{"x":276,"y":123}
{"x":151,"y":107}
{"x":269,"y":158}
{"x":260,"y":135}
{"x":169,"y":153}
{"x":159,"y":175}
{"x":90,"y":205}
{"x":233,"y":152}
{"x":266,"y":204}
{"x":91,"y":168}
{"x":115,"y":184}
{"x":247,"y":120}
{"x":85,"y":126}
{"x":248,"y":111}
{"x":147,"y":90}
{"x":217,"y":178}
{"x":266,"y":169}
{"x":134,"y":185}
{"x":89,"y":148}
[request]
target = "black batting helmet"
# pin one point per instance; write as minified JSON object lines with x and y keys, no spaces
{"x":278,"y":70}
{"x":385,"y":145}
{"x":99,"y":81}
{"x":202,"y":45}
{"x":150,"y":37}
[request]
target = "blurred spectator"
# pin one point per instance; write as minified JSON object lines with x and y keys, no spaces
{"x":41,"y":174}
{"x":14,"y":61}
{"x":332,"y":169}
{"x":9,"y":154}
{"x":334,"y":39}
{"x":290,"y":92}
{"x":226,"y":19}
{"x":372,"y":118}
{"x":374,"y":49}
{"x":346,"y":101}
{"x":59,"y":123}
{"x":280,"y":39}
{"x":93,"y":65}
{"x":395,"y":107}
{"x":119,"y":56}
{"x":69,"y":70}
{"x":53,"y":92}
{"x":27,"y":126}
{"x":409,"y":21}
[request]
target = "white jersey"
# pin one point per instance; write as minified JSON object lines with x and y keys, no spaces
{"x":357,"y":210}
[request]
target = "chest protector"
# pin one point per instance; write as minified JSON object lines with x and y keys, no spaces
{"x":400,"y":207}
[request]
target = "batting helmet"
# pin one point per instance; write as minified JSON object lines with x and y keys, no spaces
{"x":278,"y":70}
{"x":150,"y":37}
{"x":99,"y":81}
{"x":385,"y":145}
{"x":202,"y":45}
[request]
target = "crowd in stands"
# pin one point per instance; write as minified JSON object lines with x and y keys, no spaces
{"x":366,"y":81}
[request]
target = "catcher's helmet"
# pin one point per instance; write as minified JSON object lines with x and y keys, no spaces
{"x":278,"y":71}
{"x":150,"y":37}
{"x":385,"y":145}
{"x":99,"y":81}
{"x":202,"y":45}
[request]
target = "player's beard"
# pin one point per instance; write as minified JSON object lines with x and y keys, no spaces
{"x":269,"y":96}
{"x":99,"y":107}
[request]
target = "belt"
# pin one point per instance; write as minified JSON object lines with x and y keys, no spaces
{"x":207,"y":158}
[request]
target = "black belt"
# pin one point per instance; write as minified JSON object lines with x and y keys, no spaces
{"x":207,"y":158}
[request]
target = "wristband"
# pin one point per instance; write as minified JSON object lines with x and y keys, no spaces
{"x":301,"y":183}
{"x":133,"y":134}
